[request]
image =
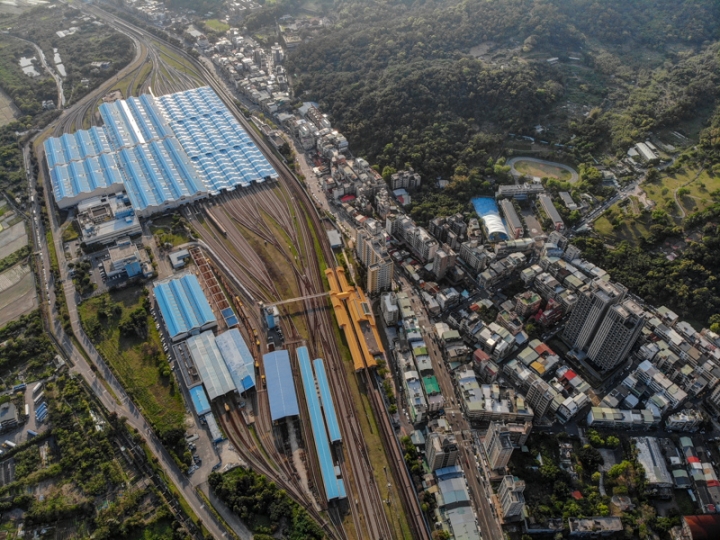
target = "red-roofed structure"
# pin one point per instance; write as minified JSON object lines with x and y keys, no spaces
{"x":705,"y":527}
{"x":480,"y":356}
{"x":542,"y":349}
{"x":576,"y":495}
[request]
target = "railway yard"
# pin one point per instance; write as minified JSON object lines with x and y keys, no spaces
{"x":266,"y":244}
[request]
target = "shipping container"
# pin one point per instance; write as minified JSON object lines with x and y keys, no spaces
{"x":37,"y":388}
{"x":37,"y":399}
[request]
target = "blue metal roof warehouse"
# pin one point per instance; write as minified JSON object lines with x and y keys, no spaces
{"x":327,"y":401}
{"x":210,"y":365}
{"x":239,"y":360}
{"x":163,"y":152}
{"x":280,"y":385}
{"x":183,"y":306}
{"x":199,"y":400}
{"x":334,"y":486}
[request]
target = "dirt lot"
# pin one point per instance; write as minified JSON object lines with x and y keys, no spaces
{"x":17,"y":293}
{"x":12,"y":239}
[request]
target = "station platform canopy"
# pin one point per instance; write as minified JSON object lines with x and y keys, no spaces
{"x":327,"y":401}
{"x":334,"y":487}
{"x":280,"y":385}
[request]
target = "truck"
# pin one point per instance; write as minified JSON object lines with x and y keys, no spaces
{"x":37,"y":388}
{"x":264,"y":382}
{"x":37,"y":399}
{"x":31,"y":433}
{"x":9,"y":444}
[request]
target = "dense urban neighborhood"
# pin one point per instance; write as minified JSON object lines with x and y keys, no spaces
{"x":245,"y":293}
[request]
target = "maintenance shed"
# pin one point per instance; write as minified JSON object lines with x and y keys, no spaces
{"x":199,"y":400}
{"x":334,"y":487}
{"x":327,"y":401}
{"x":183,"y":306}
{"x":210,"y":365}
{"x":280,"y":385}
{"x":238,"y":359}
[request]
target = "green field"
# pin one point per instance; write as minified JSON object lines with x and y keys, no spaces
{"x":216,"y":25}
{"x":138,"y":363}
{"x":698,"y":184}
{"x":542,"y":170}
{"x":169,"y":233}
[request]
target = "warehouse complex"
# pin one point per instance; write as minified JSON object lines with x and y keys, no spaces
{"x":163,"y":152}
{"x":184,"y":307}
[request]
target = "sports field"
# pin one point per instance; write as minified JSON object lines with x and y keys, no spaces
{"x":542,"y":170}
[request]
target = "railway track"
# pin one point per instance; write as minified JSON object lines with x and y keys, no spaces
{"x":368,"y":511}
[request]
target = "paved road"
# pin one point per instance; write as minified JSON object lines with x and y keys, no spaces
{"x":118,"y":401}
{"x":489,"y":525}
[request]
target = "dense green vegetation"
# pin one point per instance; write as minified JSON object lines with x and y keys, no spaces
{"x":24,"y":342}
{"x":263,"y":506}
{"x":78,"y":466}
{"x":119,"y":325}
{"x":439,"y":84}
{"x":91,"y":43}
{"x":14,"y":258}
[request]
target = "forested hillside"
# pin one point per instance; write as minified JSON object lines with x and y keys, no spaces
{"x":425,"y":77}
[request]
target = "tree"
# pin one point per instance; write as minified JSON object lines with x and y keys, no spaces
{"x":388,"y":172}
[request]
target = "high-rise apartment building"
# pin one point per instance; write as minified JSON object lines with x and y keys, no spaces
{"x":443,"y":261}
{"x":441,"y":450}
{"x":593,"y":302}
{"x":539,"y":396}
{"x":498,"y":445}
{"x":511,"y":497}
{"x":617,"y":334}
{"x":373,"y":255}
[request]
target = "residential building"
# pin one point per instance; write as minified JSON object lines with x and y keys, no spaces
{"x":443,"y":260}
{"x":622,"y":418}
{"x":372,"y":253}
{"x":685,"y":420}
{"x":617,"y":334}
{"x":527,"y":303}
{"x":540,"y":396}
{"x":405,"y":180}
{"x":593,"y":302}
{"x":498,"y":445}
{"x":511,"y":497}
{"x":389,"y":308}
{"x":473,"y":253}
{"x":441,"y":450}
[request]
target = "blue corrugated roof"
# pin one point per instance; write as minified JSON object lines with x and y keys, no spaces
{"x":280,"y":385}
{"x":199,"y":400}
{"x":322,"y":447}
{"x":180,"y":145}
{"x":327,"y":401}
{"x":183,"y":305}
{"x":215,"y":433}
{"x":239,"y":360}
